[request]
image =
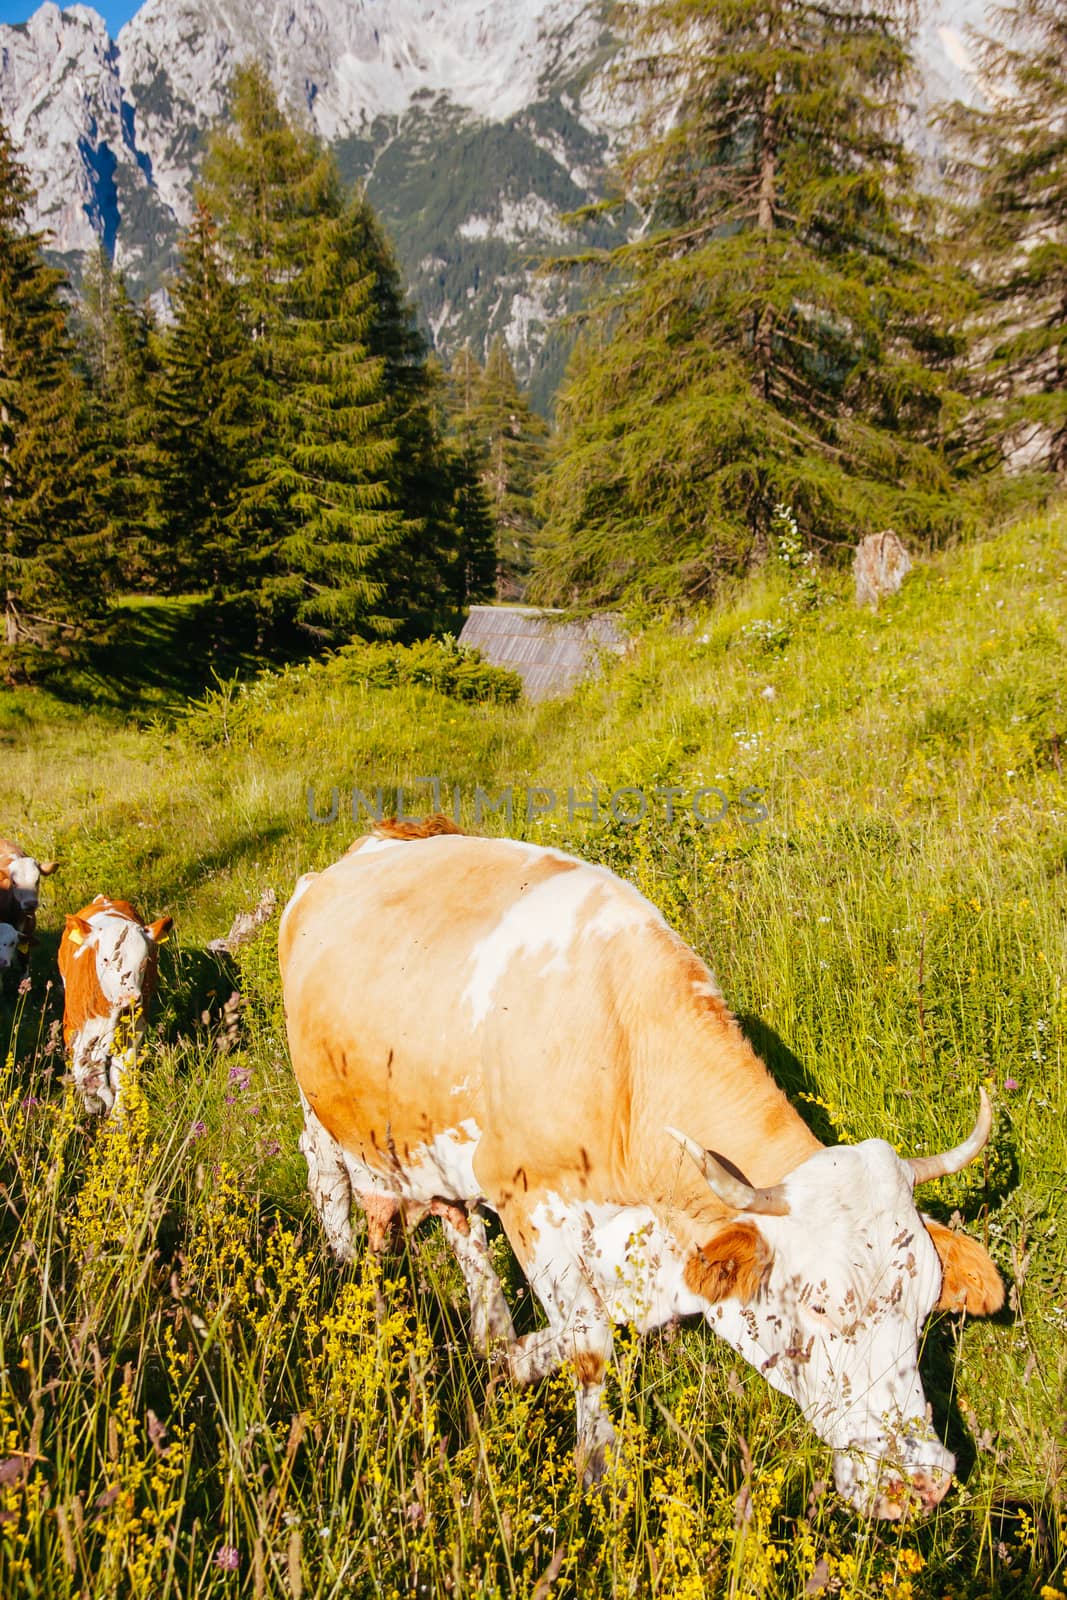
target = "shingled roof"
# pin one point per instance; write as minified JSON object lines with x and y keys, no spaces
{"x":549,"y":655}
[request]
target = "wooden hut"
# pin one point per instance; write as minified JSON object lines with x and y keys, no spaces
{"x":549,"y":655}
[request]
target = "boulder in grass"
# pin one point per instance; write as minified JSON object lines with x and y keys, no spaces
{"x":879,"y":567}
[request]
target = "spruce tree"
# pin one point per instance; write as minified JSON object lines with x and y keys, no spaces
{"x":119,"y":355}
{"x":477,"y":558}
{"x":778,"y":331}
{"x":343,"y":504}
{"x":499,"y":427}
{"x":51,"y":557}
{"x":1014,"y":175}
{"x":204,"y":436}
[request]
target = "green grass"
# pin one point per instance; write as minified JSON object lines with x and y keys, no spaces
{"x":893,"y":936}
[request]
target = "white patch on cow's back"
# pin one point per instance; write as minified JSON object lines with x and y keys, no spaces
{"x":547,"y":920}
{"x":372,"y":845}
{"x":623,"y":1254}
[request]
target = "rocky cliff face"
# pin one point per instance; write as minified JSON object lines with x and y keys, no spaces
{"x":475,"y":123}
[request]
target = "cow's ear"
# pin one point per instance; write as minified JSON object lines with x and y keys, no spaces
{"x":969,"y":1278}
{"x":78,"y":930}
{"x":46,"y":868}
{"x":732,"y":1265}
{"x":159,"y":930}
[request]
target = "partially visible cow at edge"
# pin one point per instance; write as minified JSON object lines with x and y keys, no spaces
{"x":20,"y":888}
{"x":109,"y":962}
{"x":481,"y":1023}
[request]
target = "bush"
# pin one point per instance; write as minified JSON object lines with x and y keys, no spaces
{"x":444,"y":665}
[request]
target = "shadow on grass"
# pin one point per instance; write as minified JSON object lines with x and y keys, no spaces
{"x":160,"y":652}
{"x":790,"y":1073}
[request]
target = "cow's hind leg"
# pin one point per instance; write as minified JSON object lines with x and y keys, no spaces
{"x":328,"y":1182}
{"x":491,"y":1322}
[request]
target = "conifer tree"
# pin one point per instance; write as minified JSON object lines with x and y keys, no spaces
{"x":499,"y":429}
{"x":1015,"y":228}
{"x":776,"y":333}
{"x":204,"y":434}
{"x":343,"y":505}
{"x":118,"y":348}
{"x":468,"y":452}
{"x":51,"y":564}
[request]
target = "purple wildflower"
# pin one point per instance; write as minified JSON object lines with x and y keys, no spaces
{"x":29,"y":1102}
{"x":272,"y":1148}
{"x":240,"y":1076}
{"x":198,"y":1129}
{"x":227,"y":1557}
{"x":1011,"y":1083}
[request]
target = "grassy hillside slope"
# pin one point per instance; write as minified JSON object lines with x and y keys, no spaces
{"x":197,"y":1403}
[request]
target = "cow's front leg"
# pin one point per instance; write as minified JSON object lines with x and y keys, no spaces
{"x":586,"y":1342}
{"x":328,"y":1183}
{"x":90,"y":1064}
{"x":550,"y":1250}
{"x":491,"y":1322}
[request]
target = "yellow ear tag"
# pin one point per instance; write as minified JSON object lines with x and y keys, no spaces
{"x":24,"y":947}
{"x":163,"y":938}
{"x":76,"y":936}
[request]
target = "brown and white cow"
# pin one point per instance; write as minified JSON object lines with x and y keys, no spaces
{"x":482,"y":1023}
{"x":109,"y":961}
{"x":20,"y":887}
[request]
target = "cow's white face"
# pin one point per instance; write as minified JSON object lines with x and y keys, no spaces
{"x":25,"y":875}
{"x":9,"y":943}
{"x":122,"y":951}
{"x":836,"y":1322}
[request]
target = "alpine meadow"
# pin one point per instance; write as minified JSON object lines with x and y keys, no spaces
{"x":700,"y":515}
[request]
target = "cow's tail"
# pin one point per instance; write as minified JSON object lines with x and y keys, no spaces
{"x":428,"y":828}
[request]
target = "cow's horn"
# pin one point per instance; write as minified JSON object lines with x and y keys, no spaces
{"x":730,"y":1190}
{"x":927,"y":1168}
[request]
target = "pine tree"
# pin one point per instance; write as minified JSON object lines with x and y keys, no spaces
{"x":119,"y":354}
{"x":343,"y":503}
{"x":334,"y":459}
{"x":498,"y":428}
{"x":1015,"y":228}
{"x":778,"y":332}
{"x":204,"y":432}
{"x":51,"y":560}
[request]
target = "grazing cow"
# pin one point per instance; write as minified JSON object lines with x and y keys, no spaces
{"x":20,"y":885}
{"x":485,"y":1023}
{"x":108,"y":960}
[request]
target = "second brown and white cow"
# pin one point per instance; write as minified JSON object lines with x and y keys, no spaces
{"x":482,"y":1023}
{"x":20,"y":888}
{"x":109,"y":961}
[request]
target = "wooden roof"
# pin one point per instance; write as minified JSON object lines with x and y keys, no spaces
{"x":549,"y":655}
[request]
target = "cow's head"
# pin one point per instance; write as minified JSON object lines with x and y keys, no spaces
{"x":125,"y":953}
{"x":24,"y":876}
{"x":9,"y":943}
{"x":824,"y":1282}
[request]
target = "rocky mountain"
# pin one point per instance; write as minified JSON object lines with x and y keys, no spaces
{"x":477,"y":124}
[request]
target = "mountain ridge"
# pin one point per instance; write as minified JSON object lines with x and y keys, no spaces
{"x":476,"y":124}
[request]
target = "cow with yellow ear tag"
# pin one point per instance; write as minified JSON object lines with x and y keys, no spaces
{"x":109,"y":963}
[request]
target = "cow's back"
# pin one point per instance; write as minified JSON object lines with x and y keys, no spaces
{"x":458,"y":983}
